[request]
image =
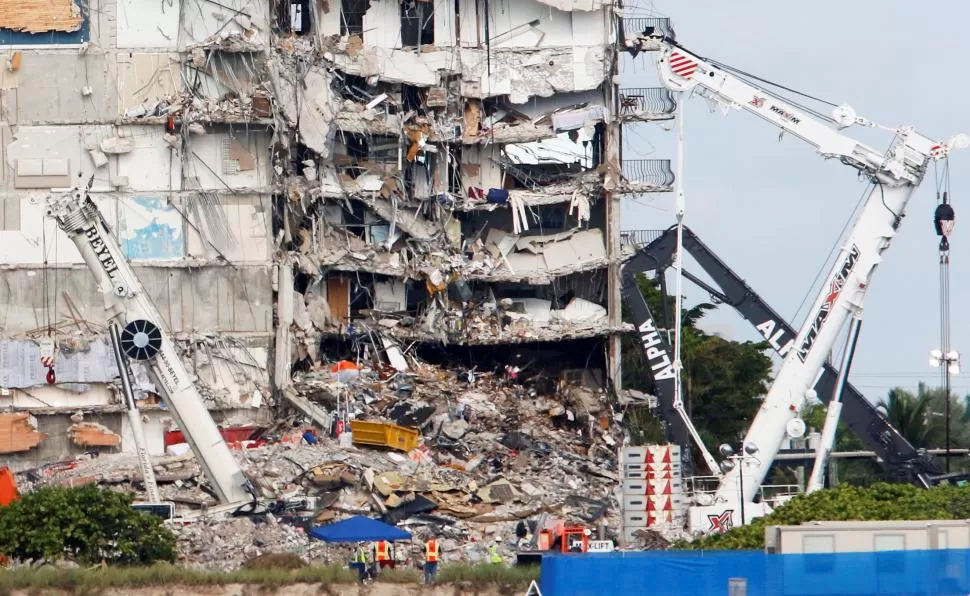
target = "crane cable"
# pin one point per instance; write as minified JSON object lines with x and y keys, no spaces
{"x":750,"y":79}
{"x":48,"y":359}
{"x":944,"y":229}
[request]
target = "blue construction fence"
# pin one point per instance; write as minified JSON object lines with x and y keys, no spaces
{"x":753,"y":573}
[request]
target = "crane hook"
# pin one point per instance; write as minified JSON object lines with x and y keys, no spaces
{"x":51,"y":375}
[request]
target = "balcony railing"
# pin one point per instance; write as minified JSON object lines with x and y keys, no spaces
{"x":649,"y":100}
{"x":654,"y":172}
{"x":638,"y":238}
{"x":633,"y":27}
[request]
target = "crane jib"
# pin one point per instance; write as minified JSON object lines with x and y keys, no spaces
{"x":826,"y":307}
{"x":657,"y":357}
{"x":100,"y":248}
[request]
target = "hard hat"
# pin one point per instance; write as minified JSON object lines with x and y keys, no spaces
{"x":498,"y":539}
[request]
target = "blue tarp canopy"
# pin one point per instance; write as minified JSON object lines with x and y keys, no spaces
{"x":358,"y":529}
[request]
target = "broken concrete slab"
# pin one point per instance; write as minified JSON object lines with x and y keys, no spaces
{"x":317,"y":111}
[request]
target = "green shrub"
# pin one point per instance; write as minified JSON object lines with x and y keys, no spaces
{"x":86,"y":524}
{"x":879,"y":502}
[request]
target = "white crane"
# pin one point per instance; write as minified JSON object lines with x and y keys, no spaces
{"x":894,"y":176}
{"x":134,"y":418}
{"x":142,"y":338}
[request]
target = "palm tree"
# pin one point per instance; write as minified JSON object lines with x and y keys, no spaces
{"x":914,"y":418}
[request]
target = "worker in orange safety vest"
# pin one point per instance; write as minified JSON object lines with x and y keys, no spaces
{"x":432,"y":554}
{"x":383,"y":554}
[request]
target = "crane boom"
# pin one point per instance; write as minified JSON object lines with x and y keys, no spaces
{"x":894,"y":176}
{"x":660,"y":364}
{"x":682,"y":70}
{"x":842,"y":297}
{"x":143,"y":339}
{"x":902,"y":461}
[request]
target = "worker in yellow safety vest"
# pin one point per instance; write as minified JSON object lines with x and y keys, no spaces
{"x":493,"y":557}
{"x":383,"y":554}
{"x":360,"y":561}
{"x":432,"y":554}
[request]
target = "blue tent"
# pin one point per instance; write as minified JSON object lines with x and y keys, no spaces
{"x":358,"y":529}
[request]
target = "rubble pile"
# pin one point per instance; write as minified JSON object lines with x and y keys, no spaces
{"x":226,"y":544}
{"x":486,"y":322}
{"x":495,"y":256}
{"x":459,"y":306}
{"x":493,"y":452}
{"x":492,"y":456}
{"x":230,"y":107}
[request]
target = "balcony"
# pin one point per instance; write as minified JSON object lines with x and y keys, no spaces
{"x":647,"y":103}
{"x":647,"y":175}
{"x":639,"y":27}
{"x":647,"y":26}
{"x":638,"y":238}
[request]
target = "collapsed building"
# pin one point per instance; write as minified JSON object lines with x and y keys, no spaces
{"x":391,"y":183}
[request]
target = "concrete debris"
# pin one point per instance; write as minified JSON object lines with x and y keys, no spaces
{"x":92,"y":434}
{"x":499,"y":256}
{"x":316,"y":113}
{"x":228,"y":108}
{"x":493,"y":454}
{"x":650,"y":539}
{"x":117,"y":145}
{"x":98,"y":158}
{"x":226,"y":544}
{"x":384,"y":200}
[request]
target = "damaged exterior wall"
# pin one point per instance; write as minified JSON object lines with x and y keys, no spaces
{"x":462,"y":179}
{"x":168,"y":106}
{"x":283,"y":174}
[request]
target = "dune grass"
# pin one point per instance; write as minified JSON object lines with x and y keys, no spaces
{"x":94,"y":581}
{"x":488,"y":574}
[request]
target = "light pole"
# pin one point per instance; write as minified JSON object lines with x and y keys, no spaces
{"x":732,"y":460}
{"x":944,"y":219}
{"x":950,"y":362}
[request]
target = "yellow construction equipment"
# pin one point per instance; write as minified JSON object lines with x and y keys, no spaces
{"x":384,"y":434}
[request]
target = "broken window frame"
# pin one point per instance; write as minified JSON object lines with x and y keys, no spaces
{"x":550,"y":218}
{"x":417,"y":24}
{"x":352,"y":17}
{"x":285,"y":17}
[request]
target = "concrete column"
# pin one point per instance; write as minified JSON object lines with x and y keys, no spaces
{"x":284,"y":312}
{"x":612,"y":156}
{"x":614,"y":304}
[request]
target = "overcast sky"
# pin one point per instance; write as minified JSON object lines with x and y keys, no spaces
{"x":774,"y":210}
